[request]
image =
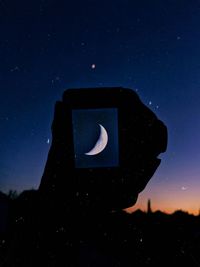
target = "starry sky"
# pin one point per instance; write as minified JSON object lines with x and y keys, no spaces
{"x":150,"y":46}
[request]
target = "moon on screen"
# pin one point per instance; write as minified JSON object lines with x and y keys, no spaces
{"x":100,"y":144}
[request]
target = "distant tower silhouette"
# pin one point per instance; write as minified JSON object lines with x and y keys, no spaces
{"x":149,"y":210}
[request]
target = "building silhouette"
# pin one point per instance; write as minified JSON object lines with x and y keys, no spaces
{"x":149,"y":210}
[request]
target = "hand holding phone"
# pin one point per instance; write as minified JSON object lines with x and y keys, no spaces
{"x":105,"y":147}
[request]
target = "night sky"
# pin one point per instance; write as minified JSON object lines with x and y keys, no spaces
{"x":150,"y":46}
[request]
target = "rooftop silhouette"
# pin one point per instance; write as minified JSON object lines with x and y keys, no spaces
{"x":142,"y":241}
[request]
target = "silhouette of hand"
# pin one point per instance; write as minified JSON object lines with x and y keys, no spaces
{"x":142,"y":138}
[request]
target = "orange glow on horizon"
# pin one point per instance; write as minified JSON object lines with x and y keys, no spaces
{"x":167,"y":211}
{"x":169,"y":197}
{"x":168,"y":201}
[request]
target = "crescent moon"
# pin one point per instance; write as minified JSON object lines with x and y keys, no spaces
{"x":100,"y":144}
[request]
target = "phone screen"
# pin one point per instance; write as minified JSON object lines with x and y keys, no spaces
{"x":95,"y":137}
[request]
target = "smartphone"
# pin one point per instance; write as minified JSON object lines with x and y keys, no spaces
{"x":106,"y":143}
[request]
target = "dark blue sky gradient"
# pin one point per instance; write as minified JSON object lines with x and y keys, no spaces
{"x":151,"y":46}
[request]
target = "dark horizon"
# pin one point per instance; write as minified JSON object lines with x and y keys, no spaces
{"x":140,"y":238}
{"x":13,"y":194}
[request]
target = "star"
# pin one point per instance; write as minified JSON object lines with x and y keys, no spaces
{"x":93,"y":66}
{"x":16,"y":68}
{"x":183,"y":188}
